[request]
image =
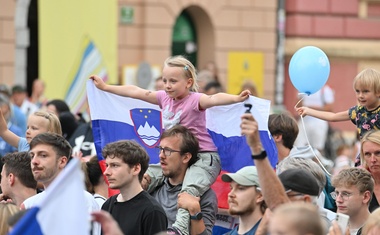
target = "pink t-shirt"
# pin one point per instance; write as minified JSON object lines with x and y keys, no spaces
{"x":186,"y":112}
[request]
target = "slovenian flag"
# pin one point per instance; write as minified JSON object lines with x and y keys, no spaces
{"x":63,"y":209}
{"x":115,"y":117}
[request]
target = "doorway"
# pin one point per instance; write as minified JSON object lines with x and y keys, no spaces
{"x":184,"y":39}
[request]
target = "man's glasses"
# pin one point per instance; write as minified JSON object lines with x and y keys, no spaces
{"x":343,"y":195}
{"x":167,"y":152}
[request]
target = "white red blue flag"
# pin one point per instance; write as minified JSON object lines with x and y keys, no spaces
{"x":115,"y":117}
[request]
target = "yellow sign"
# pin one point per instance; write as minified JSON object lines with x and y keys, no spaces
{"x":245,"y":66}
{"x":76,"y":39}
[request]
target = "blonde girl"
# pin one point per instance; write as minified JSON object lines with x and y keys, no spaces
{"x":182,"y":104}
{"x":38,"y":122}
{"x":366,"y":114}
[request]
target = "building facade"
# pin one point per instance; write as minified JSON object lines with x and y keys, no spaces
{"x":216,"y":30}
{"x":220,"y":27}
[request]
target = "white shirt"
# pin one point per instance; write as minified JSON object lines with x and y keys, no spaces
{"x":91,"y":204}
{"x":324,"y":96}
{"x":28,"y":107}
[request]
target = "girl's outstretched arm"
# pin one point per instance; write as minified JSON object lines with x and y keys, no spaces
{"x":9,"y":137}
{"x":208,"y":101}
{"x":125,"y":90}
{"x":323,"y":115}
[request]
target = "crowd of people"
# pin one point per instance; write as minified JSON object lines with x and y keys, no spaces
{"x":298,"y":196}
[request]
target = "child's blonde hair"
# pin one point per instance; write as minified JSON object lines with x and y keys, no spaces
{"x":7,"y":210}
{"x":54,"y":123}
{"x":368,"y":78}
{"x":188,"y":68}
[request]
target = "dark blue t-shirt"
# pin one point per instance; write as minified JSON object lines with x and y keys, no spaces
{"x":252,"y":231}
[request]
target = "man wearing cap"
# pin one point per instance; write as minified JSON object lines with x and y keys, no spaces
{"x":299,"y":184}
{"x":245,"y":200}
{"x":316,"y":170}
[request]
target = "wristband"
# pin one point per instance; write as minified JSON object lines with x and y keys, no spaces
{"x":259,"y":156}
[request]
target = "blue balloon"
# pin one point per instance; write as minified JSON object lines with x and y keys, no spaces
{"x":309,"y":69}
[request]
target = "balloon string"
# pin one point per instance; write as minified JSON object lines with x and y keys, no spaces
{"x":303,"y":96}
{"x":307,"y":139}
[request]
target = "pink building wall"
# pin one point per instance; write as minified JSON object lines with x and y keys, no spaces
{"x":333,"y":25}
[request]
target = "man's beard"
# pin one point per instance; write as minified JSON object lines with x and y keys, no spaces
{"x":243,"y":211}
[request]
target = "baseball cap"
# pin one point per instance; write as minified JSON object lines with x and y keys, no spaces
{"x":299,"y":180}
{"x":246,"y":176}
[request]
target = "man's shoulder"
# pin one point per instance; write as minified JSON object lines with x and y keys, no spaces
{"x":146,"y":204}
{"x":232,"y":232}
{"x":92,"y":205}
{"x":150,"y":200}
{"x":252,"y":231}
{"x":209,"y":202}
{"x":33,"y":200}
{"x":164,"y":186}
{"x":107,"y":203}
